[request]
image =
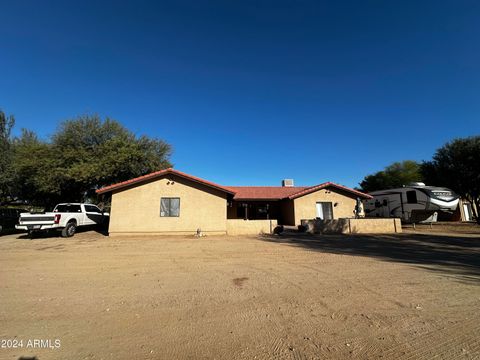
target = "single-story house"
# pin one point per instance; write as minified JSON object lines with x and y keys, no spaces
{"x":172,"y":202}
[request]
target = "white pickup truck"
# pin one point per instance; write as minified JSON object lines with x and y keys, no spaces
{"x":65,"y":217}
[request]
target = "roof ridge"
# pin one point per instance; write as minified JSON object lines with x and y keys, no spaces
{"x":288,"y":192}
{"x":154,"y":174}
{"x":327,"y":184}
{"x":267,"y":186}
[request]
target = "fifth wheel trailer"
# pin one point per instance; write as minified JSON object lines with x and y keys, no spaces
{"x":405,"y":201}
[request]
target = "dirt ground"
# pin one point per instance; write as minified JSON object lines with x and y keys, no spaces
{"x":405,"y":296}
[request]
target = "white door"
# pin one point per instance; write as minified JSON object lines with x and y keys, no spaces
{"x":385,"y":207}
{"x":324,"y":210}
{"x":319,"y":211}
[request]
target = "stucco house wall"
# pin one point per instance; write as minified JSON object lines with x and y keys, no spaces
{"x":305,"y":206}
{"x":354,"y":226}
{"x":136,"y":209}
{"x":250,"y":227}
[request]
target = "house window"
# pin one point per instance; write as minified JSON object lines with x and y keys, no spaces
{"x":324,"y":210}
{"x":170,"y":207}
{"x":411,"y":197}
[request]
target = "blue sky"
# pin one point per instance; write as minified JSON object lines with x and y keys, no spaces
{"x":251,"y":92}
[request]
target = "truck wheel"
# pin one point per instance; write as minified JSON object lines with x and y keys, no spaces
{"x":69,"y":230}
{"x":31,"y":234}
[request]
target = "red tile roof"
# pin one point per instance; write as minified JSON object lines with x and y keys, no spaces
{"x":160,"y":173}
{"x":239,"y":192}
{"x":264,"y":192}
{"x":285,"y":192}
{"x":326,"y":185}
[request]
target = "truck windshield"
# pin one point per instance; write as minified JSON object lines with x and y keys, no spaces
{"x":67,"y":208}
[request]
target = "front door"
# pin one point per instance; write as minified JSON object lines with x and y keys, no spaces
{"x":324,"y":210}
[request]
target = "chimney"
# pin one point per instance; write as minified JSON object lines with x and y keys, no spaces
{"x":287,"y":183}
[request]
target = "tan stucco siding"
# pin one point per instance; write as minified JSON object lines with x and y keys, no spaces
{"x":137,"y":209}
{"x":305,"y":206}
{"x":252,"y":227}
{"x":354,"y":226}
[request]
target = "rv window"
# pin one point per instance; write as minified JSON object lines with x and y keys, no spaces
{"x":411,"y":197}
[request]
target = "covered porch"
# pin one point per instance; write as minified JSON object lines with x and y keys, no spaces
{"x":280,"y":210}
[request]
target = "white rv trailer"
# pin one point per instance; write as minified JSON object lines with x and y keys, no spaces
{"x":414,"y":197}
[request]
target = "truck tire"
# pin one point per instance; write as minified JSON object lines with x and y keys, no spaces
{"x":69,"y":230}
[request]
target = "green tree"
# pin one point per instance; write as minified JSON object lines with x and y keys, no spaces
{"x":456,"y":165}
{"x":6,"y":156}
{"x":393,"y":176}
{"x":36,"y":170}
{"x":85,"y":153}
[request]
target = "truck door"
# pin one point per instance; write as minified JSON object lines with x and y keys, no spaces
{"x":93,"y":215}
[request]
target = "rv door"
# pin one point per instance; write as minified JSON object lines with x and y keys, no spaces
{"x":385,"y":207}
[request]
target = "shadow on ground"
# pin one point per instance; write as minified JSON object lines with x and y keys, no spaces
{"x":452,"y":255}
{"x":57,"y":234}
